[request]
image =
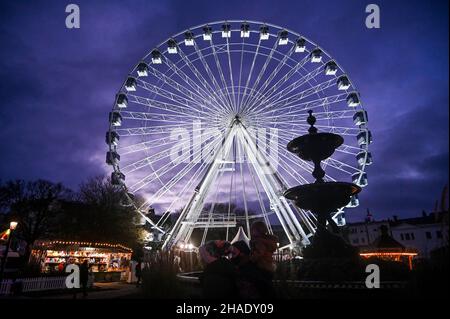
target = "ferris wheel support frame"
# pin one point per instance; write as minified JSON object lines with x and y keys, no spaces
{"x":183,"y":227}
{"x":274,"y":188}
{"x":271,"y":182}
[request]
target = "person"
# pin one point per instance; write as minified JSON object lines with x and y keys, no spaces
{"x":255,"y":276}
{"x":138,"y":273}
{"x":218,"y":279}
{"x":240,"y":253}
{"x":84,"y":276}
{"x":61,"y":267}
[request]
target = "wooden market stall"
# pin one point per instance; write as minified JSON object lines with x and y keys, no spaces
{"x":107,"y":262}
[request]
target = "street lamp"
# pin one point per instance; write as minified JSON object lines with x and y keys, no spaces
{"x":12,"y":227}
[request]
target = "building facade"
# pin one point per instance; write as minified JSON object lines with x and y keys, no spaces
{"x":424,"y":234}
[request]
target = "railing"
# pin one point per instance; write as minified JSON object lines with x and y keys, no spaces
{"x":5,"y":287}
{"x":338,"y":285}
{"x":34,"y":284}
{"x":193,"y":279}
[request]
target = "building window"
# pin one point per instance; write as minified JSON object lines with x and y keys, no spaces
{"x":407,"y":236}
{"x":438,"y":234}
{"x":412,"y":236}
{"x":428,"y":235}
{"x":402,"y":237}
{"x":355,"y":241}
{"x":363,"y":240}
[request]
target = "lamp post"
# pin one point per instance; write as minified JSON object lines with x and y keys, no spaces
{"x":12,"y":227}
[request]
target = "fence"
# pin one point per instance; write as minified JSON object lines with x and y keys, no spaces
{"x":34,"y":284}
{"x":310,"y":289}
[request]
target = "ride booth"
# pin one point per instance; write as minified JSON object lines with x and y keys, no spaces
{"x":107,"y":262}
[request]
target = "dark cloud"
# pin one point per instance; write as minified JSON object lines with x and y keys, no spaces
{"x":58,"y":85}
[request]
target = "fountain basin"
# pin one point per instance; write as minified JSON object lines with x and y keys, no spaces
{"x":323,"y":197}
{"x":315,"y":147}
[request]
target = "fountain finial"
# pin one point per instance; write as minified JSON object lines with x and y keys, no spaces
{"x":311,"y":121}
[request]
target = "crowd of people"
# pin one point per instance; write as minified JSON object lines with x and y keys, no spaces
{"x":240,"y":269}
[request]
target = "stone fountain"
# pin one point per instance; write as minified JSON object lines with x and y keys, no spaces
{"x":322,"y":198}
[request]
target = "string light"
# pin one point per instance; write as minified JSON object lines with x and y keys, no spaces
{"x":59,"y":242}
{"x":387,"y":254}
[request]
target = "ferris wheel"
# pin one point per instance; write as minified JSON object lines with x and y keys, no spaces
{"x":203,"y":121}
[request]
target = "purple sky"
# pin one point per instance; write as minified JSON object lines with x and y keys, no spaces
{"x":58,"y":85}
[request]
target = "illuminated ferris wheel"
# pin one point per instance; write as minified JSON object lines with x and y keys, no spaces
{"x":201,"y":123}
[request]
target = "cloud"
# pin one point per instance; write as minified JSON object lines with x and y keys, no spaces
{"x":58,"y":85}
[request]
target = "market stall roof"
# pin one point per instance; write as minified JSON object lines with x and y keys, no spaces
{"x":61,"y":245}
{"x":387,"y":247}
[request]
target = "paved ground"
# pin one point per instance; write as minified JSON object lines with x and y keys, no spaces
{"x":106,"y":290}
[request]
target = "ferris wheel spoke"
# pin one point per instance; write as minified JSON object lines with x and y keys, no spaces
{"x":240,"y":72}
{"x":284,"y":159}
{"x":145,"y":130}
{"x":269,"y":95}
{"x":155,"y":143}
{"x":247,"y":82}
{"x":173,"y":181}
{"x":174,"y":108}
{"x":165,"y":169}
{"x":222,"y":77}
{"x":166,"y":153}
{"x":274,"y":149}
{"x":344,"y":148}
{"x":287,"y":162}
{"x":211,"y":76}
{"x":230,"y":67}
{"x":305,"y":166}
{"x":259,"y":77}
{"x":174,"y":97}
{"x":297,"y":128}
{"x":144,"y":146}
{"x":188,"y":186}
{"x":300,"y":95}
{"x":320,"y":116}
{"x":195,"y":93}
{"x":146,"y":116}
{"x":212,"y":93}
{"x":337,"y":164}
{"x":305,"y":106}
{"x":263,"y":87}
{"x":349,"y":149}
{"x":273,"y":96}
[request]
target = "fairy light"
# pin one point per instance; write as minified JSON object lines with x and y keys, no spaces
{"x":59,"y":242}
{"x":387,"y":254}
{"x":392,"y":255}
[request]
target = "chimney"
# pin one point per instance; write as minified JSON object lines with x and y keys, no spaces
{"x":368,"y":216}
